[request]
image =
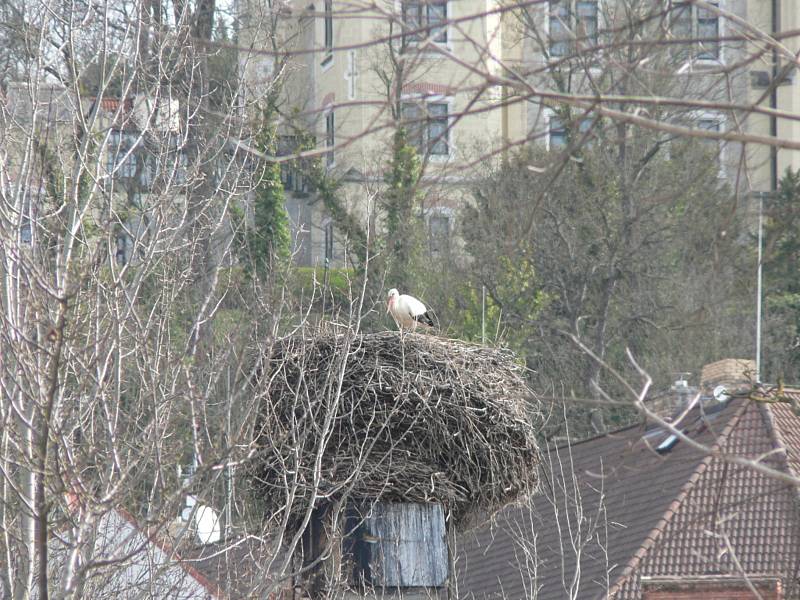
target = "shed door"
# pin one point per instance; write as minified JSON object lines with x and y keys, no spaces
{"x":409,"y":546}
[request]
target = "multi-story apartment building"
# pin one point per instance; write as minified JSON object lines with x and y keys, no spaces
{"x":439,"y":66}
{"x":359,"y":71}
{"x":773,"y":83}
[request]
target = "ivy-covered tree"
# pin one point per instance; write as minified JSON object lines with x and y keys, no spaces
{"x":268,"y":238}
{"x":402,"y":203}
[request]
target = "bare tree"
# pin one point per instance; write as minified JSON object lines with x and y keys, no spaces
{"x":129,"y":329}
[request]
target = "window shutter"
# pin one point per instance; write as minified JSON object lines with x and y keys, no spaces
{"x":410,"y":548}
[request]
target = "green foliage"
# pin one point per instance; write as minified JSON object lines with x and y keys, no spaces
{"x":269,"y":239}
{"x":463,"y":309}
{"x":396,"y":249}
{"x":333,"y":284}
{"x":619,"y":248}
{"x":781,"y":350}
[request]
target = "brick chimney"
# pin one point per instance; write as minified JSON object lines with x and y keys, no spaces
{"x":733,"y":373}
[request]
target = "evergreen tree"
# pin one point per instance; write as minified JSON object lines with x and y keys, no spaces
{"x":781,"y":347}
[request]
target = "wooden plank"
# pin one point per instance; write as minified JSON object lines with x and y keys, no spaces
{"x":411,"y":545}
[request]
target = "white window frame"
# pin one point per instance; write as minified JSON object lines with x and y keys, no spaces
{"x":548,"y":115}
{"x":436,"y":99}
{"x":441,"y":211}
{"x":327,"y":226}
{"x":448,"y":29}
{"x":546,"y":27}
{"x":327,"y":58}
{"x":121,"y":154}
{"x":693,"y":59}
{"x":330,"y":150}
{"x":721,"y":118}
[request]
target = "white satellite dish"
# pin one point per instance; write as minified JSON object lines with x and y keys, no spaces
{"x":206,"y":523}
{"x":721,"y":394}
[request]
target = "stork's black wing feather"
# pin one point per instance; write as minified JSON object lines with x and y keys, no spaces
{"x":425,"y":318}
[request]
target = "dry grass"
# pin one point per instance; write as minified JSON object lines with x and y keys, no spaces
{"x":379,"y":416}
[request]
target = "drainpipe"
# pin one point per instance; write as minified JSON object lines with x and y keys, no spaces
{"x":773,"y":103}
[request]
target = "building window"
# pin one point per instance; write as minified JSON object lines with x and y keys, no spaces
{"x":692,"y":22}
{"x":330,"y":139}
{"x":708,"y":33}
{"x":180,"y":164}
{"x":25,"y":222}
{"x":439,"y":232}
{"x":121,"y":161}
{"x":26,"y":233}
{"x":121,"y":253}
{"x":423,"y":20}
{"x":293,"y":179}
{"x":428,"y":127}
{"x":328,"y":243}
{"x":148,"y":172}
{"x":710,"y":123}
{"x":586,"y":21}
{"x":572,"y":19}
{"x":558,"y":132}
{"x":328,"y":28}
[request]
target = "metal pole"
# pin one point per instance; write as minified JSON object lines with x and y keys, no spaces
{"x":758,"y":286}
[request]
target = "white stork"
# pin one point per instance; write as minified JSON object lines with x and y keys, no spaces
{"x":407,"y":311}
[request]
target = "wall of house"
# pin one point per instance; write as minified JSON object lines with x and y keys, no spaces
{"x":350,"y":82}
{"x":759,"y":14}
{"x":347,"y":83}
{"x":347,"y":86}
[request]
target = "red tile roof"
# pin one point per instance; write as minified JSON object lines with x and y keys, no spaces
{"x":638,"y":513}
{"x":734,"y":519}
{"x":787,"y":426}
{"x":121,"y":110}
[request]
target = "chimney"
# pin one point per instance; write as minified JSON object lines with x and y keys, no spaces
{"x":683,"y":392}
{"x":733,"y":373}
{"x":677,"y":398}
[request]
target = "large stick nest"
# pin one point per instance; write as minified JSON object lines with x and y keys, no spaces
{"x":411,"y":418}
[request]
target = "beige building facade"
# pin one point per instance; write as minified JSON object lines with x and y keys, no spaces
{"x":774,"y":83}
{"x":358,"y":70}
{"x":357,"y":73}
